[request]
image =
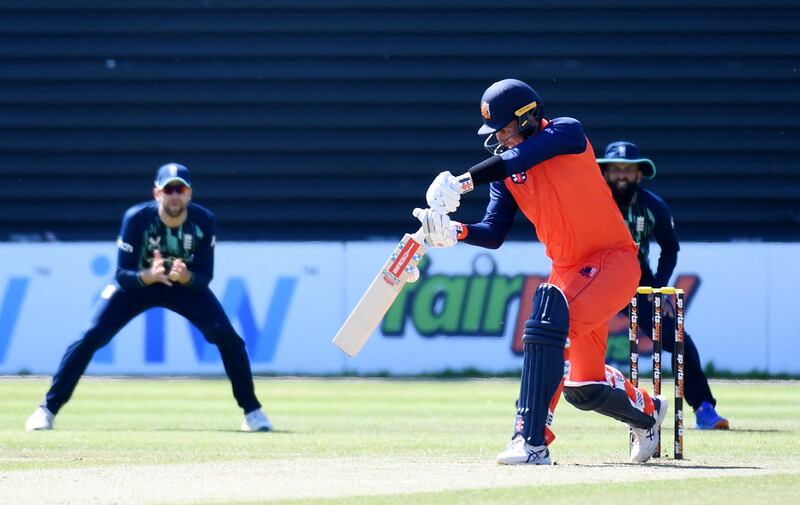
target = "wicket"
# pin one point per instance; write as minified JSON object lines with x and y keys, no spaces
{"x":633,"y":341}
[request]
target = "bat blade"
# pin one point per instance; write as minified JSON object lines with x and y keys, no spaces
{"x":380,"y":294}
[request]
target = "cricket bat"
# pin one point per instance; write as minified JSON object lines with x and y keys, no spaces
{"x":380,"y":295}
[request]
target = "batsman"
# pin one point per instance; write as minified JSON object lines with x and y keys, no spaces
{"x":547,"y":169}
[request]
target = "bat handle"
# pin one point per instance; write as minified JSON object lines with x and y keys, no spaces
{"x":418,"y":236}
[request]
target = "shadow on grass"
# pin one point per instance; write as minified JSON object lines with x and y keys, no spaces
{"x":175,"y":430}
{"x":680,"y":465}
{"x":201,"y":430}
{"x":746,"y":430}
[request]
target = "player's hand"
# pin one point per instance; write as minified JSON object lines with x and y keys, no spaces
{"x":437,"y":227}
{"x":667,"y":310}
{"x":157,"y":271}
{"x":444,"y":193}
{"x":179,"y":272}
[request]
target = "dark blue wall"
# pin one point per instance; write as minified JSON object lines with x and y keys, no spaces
{"x":328,"y":119}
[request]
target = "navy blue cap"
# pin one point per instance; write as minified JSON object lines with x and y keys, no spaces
{"x":172,"y":172}
{"x":627,"y":152}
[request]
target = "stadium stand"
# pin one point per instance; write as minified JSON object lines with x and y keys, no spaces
{"x":297,"y":115}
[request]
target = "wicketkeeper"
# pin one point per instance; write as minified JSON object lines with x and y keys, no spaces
{"x":648,"y":217}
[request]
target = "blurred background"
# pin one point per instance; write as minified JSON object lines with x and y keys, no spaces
{"x":296,"y":116}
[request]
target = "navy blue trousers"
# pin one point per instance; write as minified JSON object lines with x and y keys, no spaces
{"x":200,"y":307}
{"x":695,"y":383}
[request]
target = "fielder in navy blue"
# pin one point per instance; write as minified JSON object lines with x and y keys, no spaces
{"x":165,"y":259}
{"x":648,"y":217}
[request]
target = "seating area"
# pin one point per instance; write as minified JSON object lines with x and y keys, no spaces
{"x":295,"y":119}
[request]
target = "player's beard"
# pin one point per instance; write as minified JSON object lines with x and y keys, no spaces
{"x":623,"y":195}
{"x":174,"y":211}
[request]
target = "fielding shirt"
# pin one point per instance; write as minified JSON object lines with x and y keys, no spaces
{"x":648,"y":216}
{"x":143,"y":232}
{"x":554,"y":179}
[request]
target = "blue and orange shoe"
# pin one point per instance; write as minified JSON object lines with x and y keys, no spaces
{"x":706,"y":418}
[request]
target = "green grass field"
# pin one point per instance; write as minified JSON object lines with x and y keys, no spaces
{"x":375,"y":442}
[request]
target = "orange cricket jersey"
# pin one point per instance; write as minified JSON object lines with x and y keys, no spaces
{"x":570,"y":204}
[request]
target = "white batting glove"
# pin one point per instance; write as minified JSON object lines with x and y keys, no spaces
{"x":444,"y":193}
{"x":438,"y":229}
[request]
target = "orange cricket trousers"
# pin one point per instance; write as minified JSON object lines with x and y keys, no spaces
{"x":596,"y":290}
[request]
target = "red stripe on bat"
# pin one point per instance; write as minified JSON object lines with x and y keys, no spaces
{"x":403,"y":259}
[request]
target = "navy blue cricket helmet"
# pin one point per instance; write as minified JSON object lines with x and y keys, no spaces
{"x":505,"y":101}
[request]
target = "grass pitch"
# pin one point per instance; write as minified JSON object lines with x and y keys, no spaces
{"x":145,"y":441}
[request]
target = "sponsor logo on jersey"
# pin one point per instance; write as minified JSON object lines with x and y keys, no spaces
{"x":588,"y":271}
{"x":519,"y":178}
{"x":124,"y":246}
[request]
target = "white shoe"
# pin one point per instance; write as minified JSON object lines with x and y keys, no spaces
{"x":41,"y":419}
{"x":256,"y":421}
{"x":645,"y":441}
{"x":520,"y":452}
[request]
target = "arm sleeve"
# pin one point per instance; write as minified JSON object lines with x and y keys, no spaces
{"x":492,"y":230}
{"x":560,"y":136}
{"x":129,"y":245}
{"x":202,"y":267}
{"x":668,"y":241}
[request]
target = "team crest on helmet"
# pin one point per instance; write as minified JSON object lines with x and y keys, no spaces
{"x":519,"y":178}
{"x":485,"y":112}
